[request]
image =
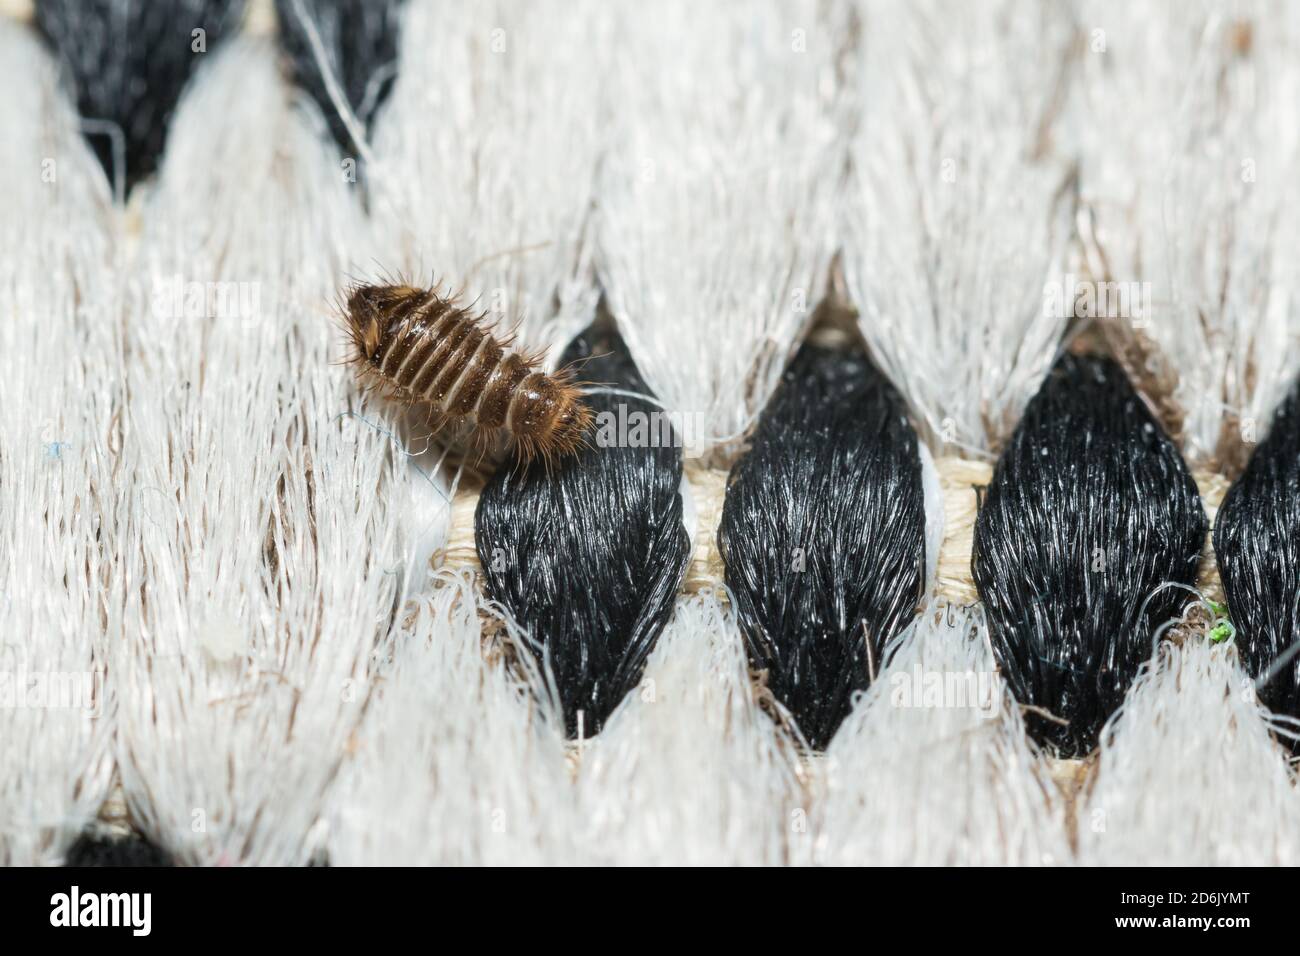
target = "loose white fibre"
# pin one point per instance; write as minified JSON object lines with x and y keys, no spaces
{"x":957,"y":212}
{"x":716,"y":203}
{"x":460,"y":762}
{"x":934,"y":516}
{"x":485,"y":158}
{"x":455,"y":763}
{"x":933,"y":766}
{"x":59,"y":584}
{"x":1191,"y":179}
{"x":1188,"y":774}
{"x":266,"y":529}
{"x":690,"y":770}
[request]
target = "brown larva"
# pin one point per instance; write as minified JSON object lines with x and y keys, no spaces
{"x":419,"y":347}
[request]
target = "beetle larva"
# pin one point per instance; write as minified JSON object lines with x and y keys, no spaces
{"x":417,"y":346}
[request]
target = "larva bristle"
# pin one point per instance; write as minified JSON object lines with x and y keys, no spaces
{"x":419,"y":346}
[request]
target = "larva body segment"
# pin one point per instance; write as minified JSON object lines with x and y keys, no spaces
{"x":417,"y":346}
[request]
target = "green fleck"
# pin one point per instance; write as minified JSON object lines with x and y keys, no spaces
{"x":1222,"y":631}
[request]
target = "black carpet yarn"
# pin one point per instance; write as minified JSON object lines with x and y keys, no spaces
{"x":128,"y":62}
{"x":1257,"y":544}
{"x":93,"y":849}
{"x":1090,"y":510}
{"x":361,"y":40}
{"x":823,"y":534}
{"x":589,"y":557}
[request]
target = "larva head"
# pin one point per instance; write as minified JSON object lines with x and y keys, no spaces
{"x":572,"y":422}
{"x":549,"y":417}
{"x":369,"y":311}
